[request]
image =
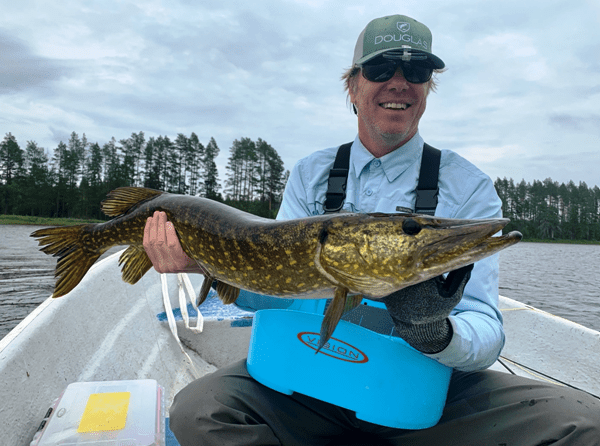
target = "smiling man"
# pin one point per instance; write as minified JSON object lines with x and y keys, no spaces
{"x":391,"y":94}
{"x":455,"y":321}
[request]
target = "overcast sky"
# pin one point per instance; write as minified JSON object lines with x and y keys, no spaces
{"x":520,"y":98}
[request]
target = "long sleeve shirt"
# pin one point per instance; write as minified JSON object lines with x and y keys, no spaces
{"x":388,"y":184}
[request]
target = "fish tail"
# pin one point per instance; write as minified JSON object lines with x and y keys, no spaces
{"x":122,"y":199}
{"x":74,"y":258}
{"x":135,"y":262}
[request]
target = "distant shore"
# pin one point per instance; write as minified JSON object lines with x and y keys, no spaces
{"x":43,"y":221}
{"x":568,"y":242}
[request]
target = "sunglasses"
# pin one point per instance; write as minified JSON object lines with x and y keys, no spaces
{"x":381,"y":69}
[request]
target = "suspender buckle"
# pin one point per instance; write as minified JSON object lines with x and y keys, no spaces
{"x":338,"y":177}
{"x":336,"y":190}
{"x":427,"y":200}
{"x":336,"y":183}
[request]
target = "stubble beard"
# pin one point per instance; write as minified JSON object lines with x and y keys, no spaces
{"x":394,"y":140}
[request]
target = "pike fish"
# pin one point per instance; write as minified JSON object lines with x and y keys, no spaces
{"x":341,"y":256}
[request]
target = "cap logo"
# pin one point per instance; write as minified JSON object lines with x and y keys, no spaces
{"x":403,"y":27}
{"x":408,"y":38}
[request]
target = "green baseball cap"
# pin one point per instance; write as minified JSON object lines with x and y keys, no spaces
{"x":393,"y":33}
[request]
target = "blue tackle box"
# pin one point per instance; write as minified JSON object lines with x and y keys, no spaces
{"x":381,"y":378}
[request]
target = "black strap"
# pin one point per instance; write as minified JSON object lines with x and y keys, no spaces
{"x":338,"y":179}
{"x":427,"y":188}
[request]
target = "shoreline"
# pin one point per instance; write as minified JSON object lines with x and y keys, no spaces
{"x":26,"y":220}
{"x":562,"y":241}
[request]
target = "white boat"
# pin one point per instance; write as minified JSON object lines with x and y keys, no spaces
{"x":107,"y":330}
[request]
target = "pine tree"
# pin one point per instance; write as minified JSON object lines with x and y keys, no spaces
{"x":12,"y":172}
{"x":11,"y":159}
{"x":181,"y":157}
{"x":37,"y":186}
{"x":151,"y":166}
{"x":211,"y":184}
{"x":194,"y":161}
{"x":132,"y":149}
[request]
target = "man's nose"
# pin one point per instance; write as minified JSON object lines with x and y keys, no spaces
{"x":398,"y":79}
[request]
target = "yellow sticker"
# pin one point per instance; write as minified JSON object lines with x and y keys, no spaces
{"x":105,"y":412}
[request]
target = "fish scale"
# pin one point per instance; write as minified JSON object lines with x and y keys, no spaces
{"x":340,"y":256}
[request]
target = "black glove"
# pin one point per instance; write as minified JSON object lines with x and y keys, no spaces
{"x":420,"y":312}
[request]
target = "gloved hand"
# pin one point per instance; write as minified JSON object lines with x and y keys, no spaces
{"x":163,"y":247}
{"x":420,"y":312}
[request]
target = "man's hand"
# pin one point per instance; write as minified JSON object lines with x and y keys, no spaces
{"x":163,"y":247}
{"x":420,"y":312}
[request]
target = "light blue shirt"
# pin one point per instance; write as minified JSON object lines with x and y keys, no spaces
{"x":386,"y":183}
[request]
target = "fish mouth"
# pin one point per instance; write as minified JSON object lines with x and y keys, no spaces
{"x":449,"y":244}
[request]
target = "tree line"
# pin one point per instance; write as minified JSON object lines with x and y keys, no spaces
{"x":75,"y":178}
{"x":548,"y":210}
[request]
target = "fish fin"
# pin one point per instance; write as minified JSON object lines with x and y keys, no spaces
{"x":135,"y":263}
{"x":334,"y":313}
{"x":352,"y":302}
{"x":122,"y":199}
{"x":227,"y":293}
{"x":206,"y":284}
{"x":74,"y":257}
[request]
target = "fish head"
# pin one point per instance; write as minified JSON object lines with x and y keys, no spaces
{"x":382,"y":253}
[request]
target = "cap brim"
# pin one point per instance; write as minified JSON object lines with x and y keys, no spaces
{"x":435,"y":61}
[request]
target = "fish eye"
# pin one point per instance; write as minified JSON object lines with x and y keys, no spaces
{"x":323,"y":236}
{"x":411,"y":227}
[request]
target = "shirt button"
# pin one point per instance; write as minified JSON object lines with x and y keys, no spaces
{"x":376,"y":163}
{"x":369,"y":192}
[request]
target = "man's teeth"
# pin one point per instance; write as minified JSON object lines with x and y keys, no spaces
{"x":395,"y":106}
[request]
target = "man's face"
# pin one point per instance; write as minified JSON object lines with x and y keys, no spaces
{"x":388,"y":110}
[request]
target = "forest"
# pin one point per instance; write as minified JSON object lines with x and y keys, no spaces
{"x":547,"y":210}
{"x":76,"y":178}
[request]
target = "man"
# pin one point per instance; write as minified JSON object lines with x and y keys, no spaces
{"x":388,"y":85}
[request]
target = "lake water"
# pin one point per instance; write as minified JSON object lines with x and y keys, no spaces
{"x":26,"y":274}
{"x":560,"y":279}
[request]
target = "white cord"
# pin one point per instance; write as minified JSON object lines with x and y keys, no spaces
{"x":171,"y":316}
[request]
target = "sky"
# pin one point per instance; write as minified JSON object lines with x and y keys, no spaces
{"x":520,"y":97}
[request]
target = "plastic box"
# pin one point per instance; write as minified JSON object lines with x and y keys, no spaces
{"x":381,"y":378}
{"x":108,"y":413}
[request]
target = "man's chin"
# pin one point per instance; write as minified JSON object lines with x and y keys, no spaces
{"x":396,"y":139}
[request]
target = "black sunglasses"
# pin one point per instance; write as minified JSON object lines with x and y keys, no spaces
{"x":417,"y":70}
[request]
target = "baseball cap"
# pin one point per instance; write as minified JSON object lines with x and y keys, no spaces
{"x":395,"y":32}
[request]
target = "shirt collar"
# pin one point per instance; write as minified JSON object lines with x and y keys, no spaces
{"x":394,"y":163}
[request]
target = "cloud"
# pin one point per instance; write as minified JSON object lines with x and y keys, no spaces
{"x":24,"y":70}
{"x":590,"y":122}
